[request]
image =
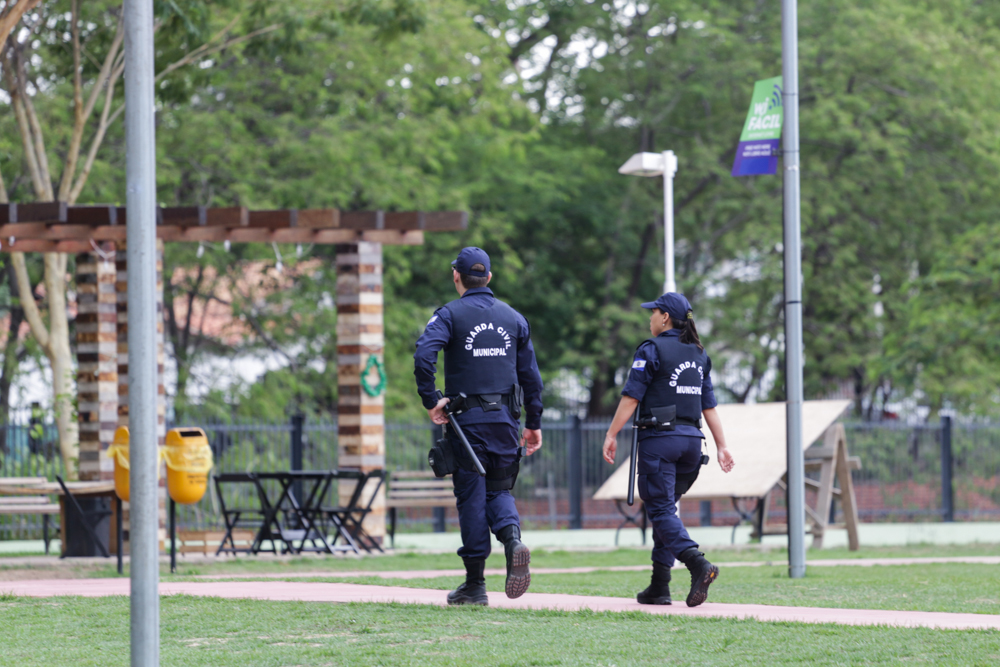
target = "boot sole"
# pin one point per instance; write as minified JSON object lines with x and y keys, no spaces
{"x":482,"y":602}
{"x":699,"y":590}
{"x":519,"y":578}
{"x":660,"y":601}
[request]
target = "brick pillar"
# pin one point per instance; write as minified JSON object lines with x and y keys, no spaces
{"x":360,"y":417}
{"x":121,"y":290}
{"x":97,"y":365}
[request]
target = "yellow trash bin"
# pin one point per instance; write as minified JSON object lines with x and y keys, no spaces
{"x":189,"y":460}
{"x":118,"y":451}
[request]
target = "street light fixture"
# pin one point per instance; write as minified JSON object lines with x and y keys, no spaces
{"x":655,"y":164}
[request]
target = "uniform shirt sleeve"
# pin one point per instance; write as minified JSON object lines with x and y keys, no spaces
{"x":708,"y":400}
{"x":645,"y":363}
{"x":436,"y":335}
{"x":529,"y":378}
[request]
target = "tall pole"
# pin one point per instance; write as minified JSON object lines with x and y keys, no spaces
{"x":140,"y":199}
{"x":669,"y":169}
{"x":793,"y":291}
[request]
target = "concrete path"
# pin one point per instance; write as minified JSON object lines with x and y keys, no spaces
{"x":431,"y":574}
{"x":319,"y":592}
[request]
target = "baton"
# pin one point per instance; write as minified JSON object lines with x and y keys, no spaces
{"x":458,"y":429}
{"x":633,"y":456}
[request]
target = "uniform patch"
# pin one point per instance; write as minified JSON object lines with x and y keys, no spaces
{"x":682,"y":389}
{"x":432,"y":320}
{"x":639,"y":364}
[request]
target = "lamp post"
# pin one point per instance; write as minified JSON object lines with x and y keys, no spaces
{"x":655,"y":164}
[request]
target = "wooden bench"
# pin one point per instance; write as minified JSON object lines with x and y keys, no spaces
{"x":420,"y":488}
{"x":28,"y":505}
{"x":207,"y":542}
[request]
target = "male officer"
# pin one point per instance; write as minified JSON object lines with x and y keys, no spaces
{"x":489,"y":357}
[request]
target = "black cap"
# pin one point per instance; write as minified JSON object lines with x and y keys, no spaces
{"x":673,"y":304}
{"x":469,"y":257}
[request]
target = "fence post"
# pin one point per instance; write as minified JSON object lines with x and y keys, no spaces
{"x":706,"y":512}
{"x":574,"y":462}
{"x":947,"y":489}
{"x":440,"y":519}
{"x":298,"y":420}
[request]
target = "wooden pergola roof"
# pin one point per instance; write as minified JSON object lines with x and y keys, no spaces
{"x":57,"y":227}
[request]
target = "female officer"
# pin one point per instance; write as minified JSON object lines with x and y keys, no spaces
{"x":669,"y":381}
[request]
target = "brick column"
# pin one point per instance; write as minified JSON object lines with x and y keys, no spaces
{"x":360,"y":335}
{"x":97,"y":365}
{"x":121,"y":290}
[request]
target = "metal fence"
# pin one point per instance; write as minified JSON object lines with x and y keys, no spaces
{"x":904,"y":474}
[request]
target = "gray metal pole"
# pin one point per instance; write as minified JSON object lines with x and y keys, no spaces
{"x":669,"y":169}
{"x":140,"y":160}
{"x":793,"y":291}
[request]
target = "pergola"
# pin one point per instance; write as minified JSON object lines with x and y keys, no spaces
{"x":95,"y":232}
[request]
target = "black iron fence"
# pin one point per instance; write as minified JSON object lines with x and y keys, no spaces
{"x":927,"y":472}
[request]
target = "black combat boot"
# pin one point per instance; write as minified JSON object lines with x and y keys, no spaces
{"x":473,"y":591}
{"x":703,"y":574}
{"x":658,"y":591}
{"x":518,"y":557}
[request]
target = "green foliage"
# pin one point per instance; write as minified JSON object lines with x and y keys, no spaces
{"x":520,"y":113}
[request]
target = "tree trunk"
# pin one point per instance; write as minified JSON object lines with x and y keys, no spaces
{"x":61,"y":359}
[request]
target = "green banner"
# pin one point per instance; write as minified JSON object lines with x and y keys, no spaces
{"x":757,"y":152}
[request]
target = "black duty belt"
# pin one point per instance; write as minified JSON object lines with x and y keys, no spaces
{"x":677,"y":420}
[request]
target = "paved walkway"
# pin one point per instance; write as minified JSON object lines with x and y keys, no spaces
{"x":319,"y":592}
{"x":431,"y":574}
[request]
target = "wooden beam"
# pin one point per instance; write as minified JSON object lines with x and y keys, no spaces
{"x":43,"y":212}
{"x":183,"y":216}
{"x":92,"y":215}
{"x":233,"y":216}
{"x":279,"y":219}
{"x":362,"y":220}
{"x":319,"y":218}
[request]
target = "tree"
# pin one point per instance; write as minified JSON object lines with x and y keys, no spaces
{"x":77,"y":54}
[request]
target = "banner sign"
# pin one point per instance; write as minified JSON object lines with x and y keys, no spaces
{"x":758,"y":149}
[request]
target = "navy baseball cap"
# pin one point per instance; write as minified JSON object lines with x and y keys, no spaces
{"x":470,"y":256}
{"x":673,"y":304}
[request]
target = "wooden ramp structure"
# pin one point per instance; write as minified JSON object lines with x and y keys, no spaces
{"x":755,"y":434}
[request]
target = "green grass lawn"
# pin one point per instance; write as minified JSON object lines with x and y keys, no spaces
{"x":539,"y":558}
{"x":205,"y":631}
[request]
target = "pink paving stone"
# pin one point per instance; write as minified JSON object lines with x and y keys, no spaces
{"x":342,"y":592}
{"x":431,"y":574}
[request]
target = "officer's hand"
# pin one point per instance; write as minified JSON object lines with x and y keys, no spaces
{"x":610,"y":448}
{"x":726,"y":461}
{"x":531,"y":439}
{"x":437,"y":414}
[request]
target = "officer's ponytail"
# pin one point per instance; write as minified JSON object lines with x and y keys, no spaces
{"x":688,"y":332}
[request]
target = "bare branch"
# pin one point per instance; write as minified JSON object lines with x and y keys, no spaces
{"x":83,"y":112}
{"x":26,"y":139}
{"x":28,"y":303}
{"x":201,"y":51}
{"x":118,"y":68}
{"x":102,"y":128}
{"x":12,"y":14}
{"x":41,"y":158}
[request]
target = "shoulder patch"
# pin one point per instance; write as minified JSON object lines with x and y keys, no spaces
{"x":432,"y":320}
{"x":639,"y":364}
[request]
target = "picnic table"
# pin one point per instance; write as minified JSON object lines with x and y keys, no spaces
{"x":282,"y":516}
{"x":70,"y":493}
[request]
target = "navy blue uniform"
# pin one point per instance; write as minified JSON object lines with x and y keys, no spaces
{"x":663,"y":455}
{"x":493,"y":434}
